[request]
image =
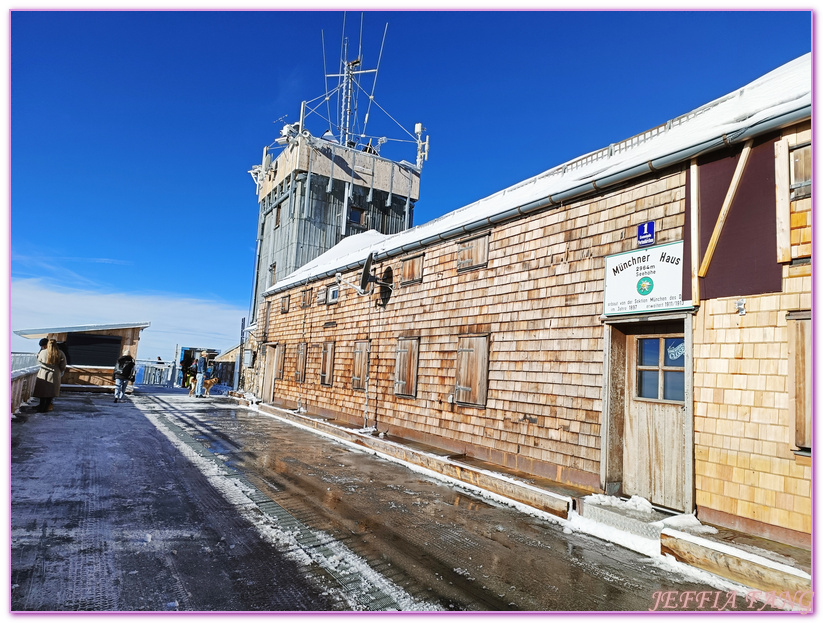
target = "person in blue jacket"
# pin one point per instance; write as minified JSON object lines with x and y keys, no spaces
{"x":202,"y":364}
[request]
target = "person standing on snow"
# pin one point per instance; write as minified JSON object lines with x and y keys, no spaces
{"x":52,"y":365}
{"x":202,"y":363}
{"x":123,"y":373}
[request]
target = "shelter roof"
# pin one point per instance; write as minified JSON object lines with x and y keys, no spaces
{"x":85,"y":328}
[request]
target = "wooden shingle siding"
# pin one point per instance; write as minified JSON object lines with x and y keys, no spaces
{"x":538,"y":298}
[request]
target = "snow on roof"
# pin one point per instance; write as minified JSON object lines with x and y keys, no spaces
{"x":85,"y":328}
{"x":774,"y":100}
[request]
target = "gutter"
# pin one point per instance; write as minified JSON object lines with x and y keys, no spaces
{"x":557,"y":200}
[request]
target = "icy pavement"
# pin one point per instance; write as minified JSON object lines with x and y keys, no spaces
{"x":171,"y":503}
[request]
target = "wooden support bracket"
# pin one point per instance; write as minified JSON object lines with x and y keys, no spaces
{"x":724,"y":211}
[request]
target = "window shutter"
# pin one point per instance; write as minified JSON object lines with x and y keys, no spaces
{"x":800,"y":379}
{"x":471,"y":378}
{"x":280,"y":358}
{"x":405,"y":367}
{"x":360,"y":365}
{"x":327,"y":364}
{"x":321,"y":296}
{"x":300,"y":368}
{"x":473,"y":253}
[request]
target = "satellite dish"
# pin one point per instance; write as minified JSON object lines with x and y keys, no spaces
{"x":365,"y":276}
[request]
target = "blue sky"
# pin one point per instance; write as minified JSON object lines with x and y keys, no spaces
{"x":132,"y":133}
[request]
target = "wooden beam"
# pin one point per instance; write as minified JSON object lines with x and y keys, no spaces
{"x":694,"y":190}
{"x":782,"y":200}
{"x":724,"y":211}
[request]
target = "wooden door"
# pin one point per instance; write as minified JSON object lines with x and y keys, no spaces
{"x":655,"y":429}
{"x":267,"y":391}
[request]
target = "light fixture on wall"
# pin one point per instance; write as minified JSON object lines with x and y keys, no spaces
{"x":741,"y":307}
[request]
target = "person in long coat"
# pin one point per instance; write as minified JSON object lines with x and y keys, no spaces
{"x":52,"y":365}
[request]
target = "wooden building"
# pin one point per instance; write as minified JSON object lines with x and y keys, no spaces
{"x":633,"y":322}
{"x":91,"y":350}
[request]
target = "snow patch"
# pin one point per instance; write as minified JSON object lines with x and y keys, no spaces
{"x":636,"y":503}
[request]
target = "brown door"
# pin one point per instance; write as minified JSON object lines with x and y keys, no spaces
{"x":655,"y":433}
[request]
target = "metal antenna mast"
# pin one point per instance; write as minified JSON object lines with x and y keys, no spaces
{"x":350,"y":70}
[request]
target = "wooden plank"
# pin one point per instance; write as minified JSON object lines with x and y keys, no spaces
{"x":783,"y":200}
{"x":727,"y":204}
{"x":694,"y":196}
{"x":749,"y":572}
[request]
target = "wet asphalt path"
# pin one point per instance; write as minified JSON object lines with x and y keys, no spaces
{"x":173,"y":503}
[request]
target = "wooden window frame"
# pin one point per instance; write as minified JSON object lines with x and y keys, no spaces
{"x":411,"y":272}
{"x":279,"y":361}
{"x":406,"y":362}
{"x":471,"y":379}
{"x":473,"y":253}
{"x":284,"y":304}
{"x":659,"y":368}
{"x":327,"y":364}
{"x":321,"y":295}
{"x":265,"y":334}
{"x":799,"y":328}
{"x":305,"y":297}
{"x":300,"y":363}
{"x":360,"y":365}
{"x":800,"y":164}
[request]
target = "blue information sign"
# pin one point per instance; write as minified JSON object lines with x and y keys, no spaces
{"x":645,"y":234}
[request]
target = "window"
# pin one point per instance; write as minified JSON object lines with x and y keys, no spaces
{"x":279,"y":361}
{"x":360,"y":366}
{"x":357,"y":216}
{"x":265,"y":336}
{"x":327,"y":364}
{"x":332,"y":294}
{"x":661,"y":368}
{"x":272,"y":271}
{"x":91,"y":349}
{"x":284,"y":304}
{"x":305,"y":297}
{"x":473,"y":253}
{"x":405,"y":367}
{"x":800,"y":172}
{"x":471,"y":378}
{"x":300,"y":367}
{"x":800,"y":376}
{"x":412,"y":271}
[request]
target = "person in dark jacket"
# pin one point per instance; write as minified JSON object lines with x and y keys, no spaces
{"x":123,"y":373}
